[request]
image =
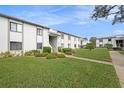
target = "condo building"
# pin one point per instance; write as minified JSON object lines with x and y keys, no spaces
{"x":20,"y":35}
{"x":116,"y":41}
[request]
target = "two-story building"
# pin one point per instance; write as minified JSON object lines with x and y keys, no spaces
{"x":20,"y":35}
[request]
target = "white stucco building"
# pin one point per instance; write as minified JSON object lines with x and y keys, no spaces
{"x":20,"y":35}
{"x":116,"y":41}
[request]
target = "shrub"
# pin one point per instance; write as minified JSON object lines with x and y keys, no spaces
{"x":89,"y":46}
{"x":44,"y":54}
{"x":6,"y":54}
{"x":51,"y":56}
{"x":38,"y":55}
{"x":81,"y":46}
{"x":67,"y":50}
{"x":46,"y":49}
{"x":68,"y":53}
{"x":54,"y":53}
{"x":32,"y":53}
{"x":41,"y":54}
{"x":35,"y":51}
{"x":28,"y":53}
{"x":60,"y":55}
{"x":108,"y":46}
{"x":117,"y":48}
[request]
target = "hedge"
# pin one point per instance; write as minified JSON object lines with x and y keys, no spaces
{"x":46,"y":49}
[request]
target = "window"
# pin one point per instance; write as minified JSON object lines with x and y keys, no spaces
{"x":69,"y":37}
{"x":75,"y":45}
{"x":39,"y":45}
{"x":15,"y":27}
{"x":100,"y":40}
{"x":19,"y":27}
{"x":15,"y":45}
{"x":109,"y":39}
{"x":62,"y":45}
{"x":100,"y":45}
{"x":39,"y":31}
{"x":62,"y":36}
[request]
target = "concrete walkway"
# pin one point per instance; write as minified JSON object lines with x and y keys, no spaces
{"x":118,"y":62}
{"x":91,"y":60}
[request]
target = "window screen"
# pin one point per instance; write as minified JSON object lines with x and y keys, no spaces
{"x":39,"y":45}
{"x":15,"y":45}
{"x":13,"y":26}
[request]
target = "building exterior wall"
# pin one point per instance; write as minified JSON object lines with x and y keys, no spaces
{"x":114,"y":42}
{"x":4,"y":34}
{"x":45,"y":37}
{"x":15,"y":36}
{"x":97,"y":43}
{"x":106,"y":41}
{"x":29,"y":38}
{"x":72,"y":42}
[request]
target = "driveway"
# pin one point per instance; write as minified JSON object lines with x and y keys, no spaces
{"x":118,"y":62}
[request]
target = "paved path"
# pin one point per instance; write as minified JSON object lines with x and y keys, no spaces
{"x":118,"y":62}
{"x":91,"y":60}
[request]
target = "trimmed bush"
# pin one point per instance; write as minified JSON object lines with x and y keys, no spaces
{"x":32,"y":53}
{"x":60,"y":56}
{"x":108,"y":46}
{"x":117,"y":48}
{"x":67,"y":50}
{"x":46,"y":49}
{"x":41,"y":54}
{"x":68,"y":53}
{"x":38,"y":55}
{"x":44,"y":54}
{"x":51,"y":56}
{"x":6,"y":54}
{"x":54,"y":53}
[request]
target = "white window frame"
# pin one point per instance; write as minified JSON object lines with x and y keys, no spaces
{"x":39,"y":31}
{"x":18,"y":27}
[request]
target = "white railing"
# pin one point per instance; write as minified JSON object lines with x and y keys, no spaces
{"x":53,"y":46}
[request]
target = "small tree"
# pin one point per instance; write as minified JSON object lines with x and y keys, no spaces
{"x":108,"y":46}
{"x":93,"y":41}
{"x":89,"y":46}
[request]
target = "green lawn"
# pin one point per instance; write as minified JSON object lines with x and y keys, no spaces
{"x":66,"y":72}
{"x":98,"y":53}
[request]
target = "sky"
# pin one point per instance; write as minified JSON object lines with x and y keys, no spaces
{"x":71,"y":19}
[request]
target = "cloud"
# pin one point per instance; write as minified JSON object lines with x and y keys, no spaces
{"x":118,"y":32}
{"x":55,"y":15}
{"x":58,"y":9}
{"x":44,"y":18}
{"x":83,"y":15}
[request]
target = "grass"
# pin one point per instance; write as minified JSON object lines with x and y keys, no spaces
{"x":121,"y":52}
{"x":65,"y":72}
{"x":98,"y":53}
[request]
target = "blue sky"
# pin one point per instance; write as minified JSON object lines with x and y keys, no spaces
{"x":72,"y":19}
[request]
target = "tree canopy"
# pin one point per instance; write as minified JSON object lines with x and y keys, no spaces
{"x":104,"y":11}
{"x":93,"y":41}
